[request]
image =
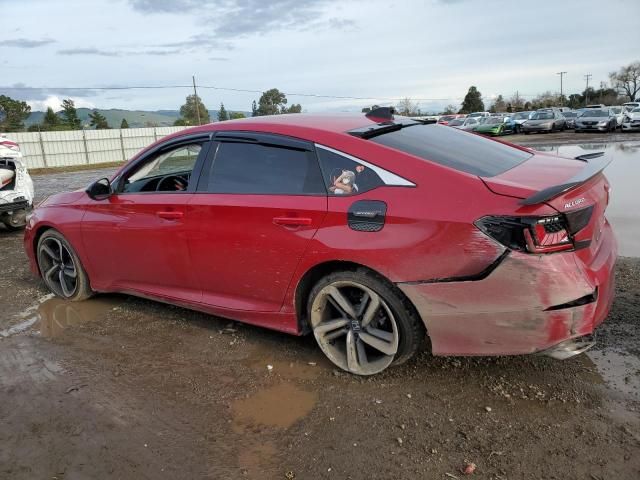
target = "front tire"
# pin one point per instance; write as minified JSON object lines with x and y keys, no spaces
{"x":362,"y":323}
{"x":61,"y":268}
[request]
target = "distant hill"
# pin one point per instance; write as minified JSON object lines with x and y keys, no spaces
{"x":135,"y":118}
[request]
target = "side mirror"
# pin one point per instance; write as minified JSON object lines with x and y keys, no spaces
{"x":100,"y":189}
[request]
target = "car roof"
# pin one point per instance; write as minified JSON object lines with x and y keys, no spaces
{"x":335,"y":123}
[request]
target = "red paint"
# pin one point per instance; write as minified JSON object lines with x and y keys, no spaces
{"x":243,"y":256}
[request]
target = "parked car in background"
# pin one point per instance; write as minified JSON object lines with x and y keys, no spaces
{"x":495,"y":126}
{"x":479,"y":115}
{"x":466,"y":124}
{"x":631,"y":120}
{"x":570,"y":116}
{"x":596,"y":105}
{"x":519,"y":118}
{"x":631,"y":105}
{"x":544,"y":121}
{"x":16,"y":186}
{"x":315,"y":224}
{"x":596,"y":119}
{"x":445,"y":119}
{"x":618,"y":112}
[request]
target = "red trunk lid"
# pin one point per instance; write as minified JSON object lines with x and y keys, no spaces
{"x":576,"y":188}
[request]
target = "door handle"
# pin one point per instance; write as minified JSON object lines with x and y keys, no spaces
{"x":292,"y":221}
{"x":170,"y":215}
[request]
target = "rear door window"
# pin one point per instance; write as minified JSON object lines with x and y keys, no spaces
{"x":254,"y":168}
{"x":452,"y":148}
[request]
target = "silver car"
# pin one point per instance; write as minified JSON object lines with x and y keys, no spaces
{"x":631,"y":121}
{"x":519,"y":118}
{"x":467,"y":124}
{"x":596,"y":119}
{"x":571,"y":118}
{"x":545,"y":120}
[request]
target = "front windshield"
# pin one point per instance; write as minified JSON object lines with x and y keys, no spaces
{"x":570,"y":114}
{"x":542,"y":116}
{"x":476,"y":115}
{"x":521,"y":115}
{"x":493,"y":121}
{"x":595,"y":113}
{"x":636,"y":110}
{"x":616,"y":109}
{"x":446,"y":118}
{"x":455,"y":122}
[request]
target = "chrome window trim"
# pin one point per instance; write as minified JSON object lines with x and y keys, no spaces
{"x":387,"y":177}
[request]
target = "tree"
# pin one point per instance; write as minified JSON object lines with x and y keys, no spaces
{"x":627,"y":80}
{"x":499,"y":105}
{"x":575,"y":101}
{"x":70,"y":115}
{"x":407,"y":108}
{"x":449,"y":110}
{"x":98,"y":121}
{"x":274,"y":102}
{"x":51,"y":121}
{"x":124,"y":123}
{"x":15,"y":113}
{"x":236,"y":115}
{"x":472,"y":101}
{"x":222,"y":113}
{"x":516,"y":102}
{"x":189,"y":112}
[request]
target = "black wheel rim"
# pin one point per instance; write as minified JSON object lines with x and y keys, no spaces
{"x":58,"y":267}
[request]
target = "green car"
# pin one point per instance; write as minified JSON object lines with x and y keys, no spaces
{"x":495,"y":126}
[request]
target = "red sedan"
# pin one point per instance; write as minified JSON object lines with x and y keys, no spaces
{"x":372,"y":232}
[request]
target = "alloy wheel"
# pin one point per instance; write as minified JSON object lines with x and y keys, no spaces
{"x":354,"y":327}
{"x":58,"y":267}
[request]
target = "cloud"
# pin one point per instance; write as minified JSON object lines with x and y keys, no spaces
{"x":20,"y":91}
{"x":26,"y":43}
{"x":55,"y":103}
{"x":118,"y":53}
{"x":89,"y":51}
{"x":165,"y":6}
{"x":227,"y":20}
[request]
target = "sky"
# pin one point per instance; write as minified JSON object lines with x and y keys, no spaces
{"x":371,"y":51}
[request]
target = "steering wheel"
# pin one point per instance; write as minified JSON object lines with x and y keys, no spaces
{"x":175,"y":180}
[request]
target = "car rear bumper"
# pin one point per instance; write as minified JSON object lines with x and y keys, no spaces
{"x":528,"y":304}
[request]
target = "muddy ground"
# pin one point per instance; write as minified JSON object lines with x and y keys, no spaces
{"x":120,"y":387}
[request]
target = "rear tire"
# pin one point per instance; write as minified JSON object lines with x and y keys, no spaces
{"x":61,"y":268}
{"x":362,"y":323}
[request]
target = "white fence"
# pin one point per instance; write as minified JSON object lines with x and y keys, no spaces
{"x":85,"y":147}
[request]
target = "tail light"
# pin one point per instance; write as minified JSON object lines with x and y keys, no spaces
{"x":546,"y":234}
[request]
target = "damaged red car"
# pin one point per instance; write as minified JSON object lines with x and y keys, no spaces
{"x":374,"y":233}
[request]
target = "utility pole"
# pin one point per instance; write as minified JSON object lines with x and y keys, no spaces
{"x":195,"y":92}
{"x":586,"y":90}
{"x":561,"y":96}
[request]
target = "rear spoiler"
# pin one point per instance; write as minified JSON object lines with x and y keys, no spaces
{"x":590,"y":170}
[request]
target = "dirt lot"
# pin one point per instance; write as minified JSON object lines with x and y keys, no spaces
{"x":119,"y":387}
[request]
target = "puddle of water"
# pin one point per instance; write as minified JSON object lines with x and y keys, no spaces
{"x":278,"y":406}
{"x":624,"y":175}
{"x":52,"y":315}
{"x":618,"y":370}
{"x":56,"y":315}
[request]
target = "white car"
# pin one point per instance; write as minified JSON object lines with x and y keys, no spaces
{"x":630,"y":105}
{"x":619,"y":113}
{"x":631,"y":120}
{"x":16,"y":186}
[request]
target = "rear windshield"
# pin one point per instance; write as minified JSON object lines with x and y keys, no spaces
{"x":453,"y":148}
{"x":542,"y":116}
